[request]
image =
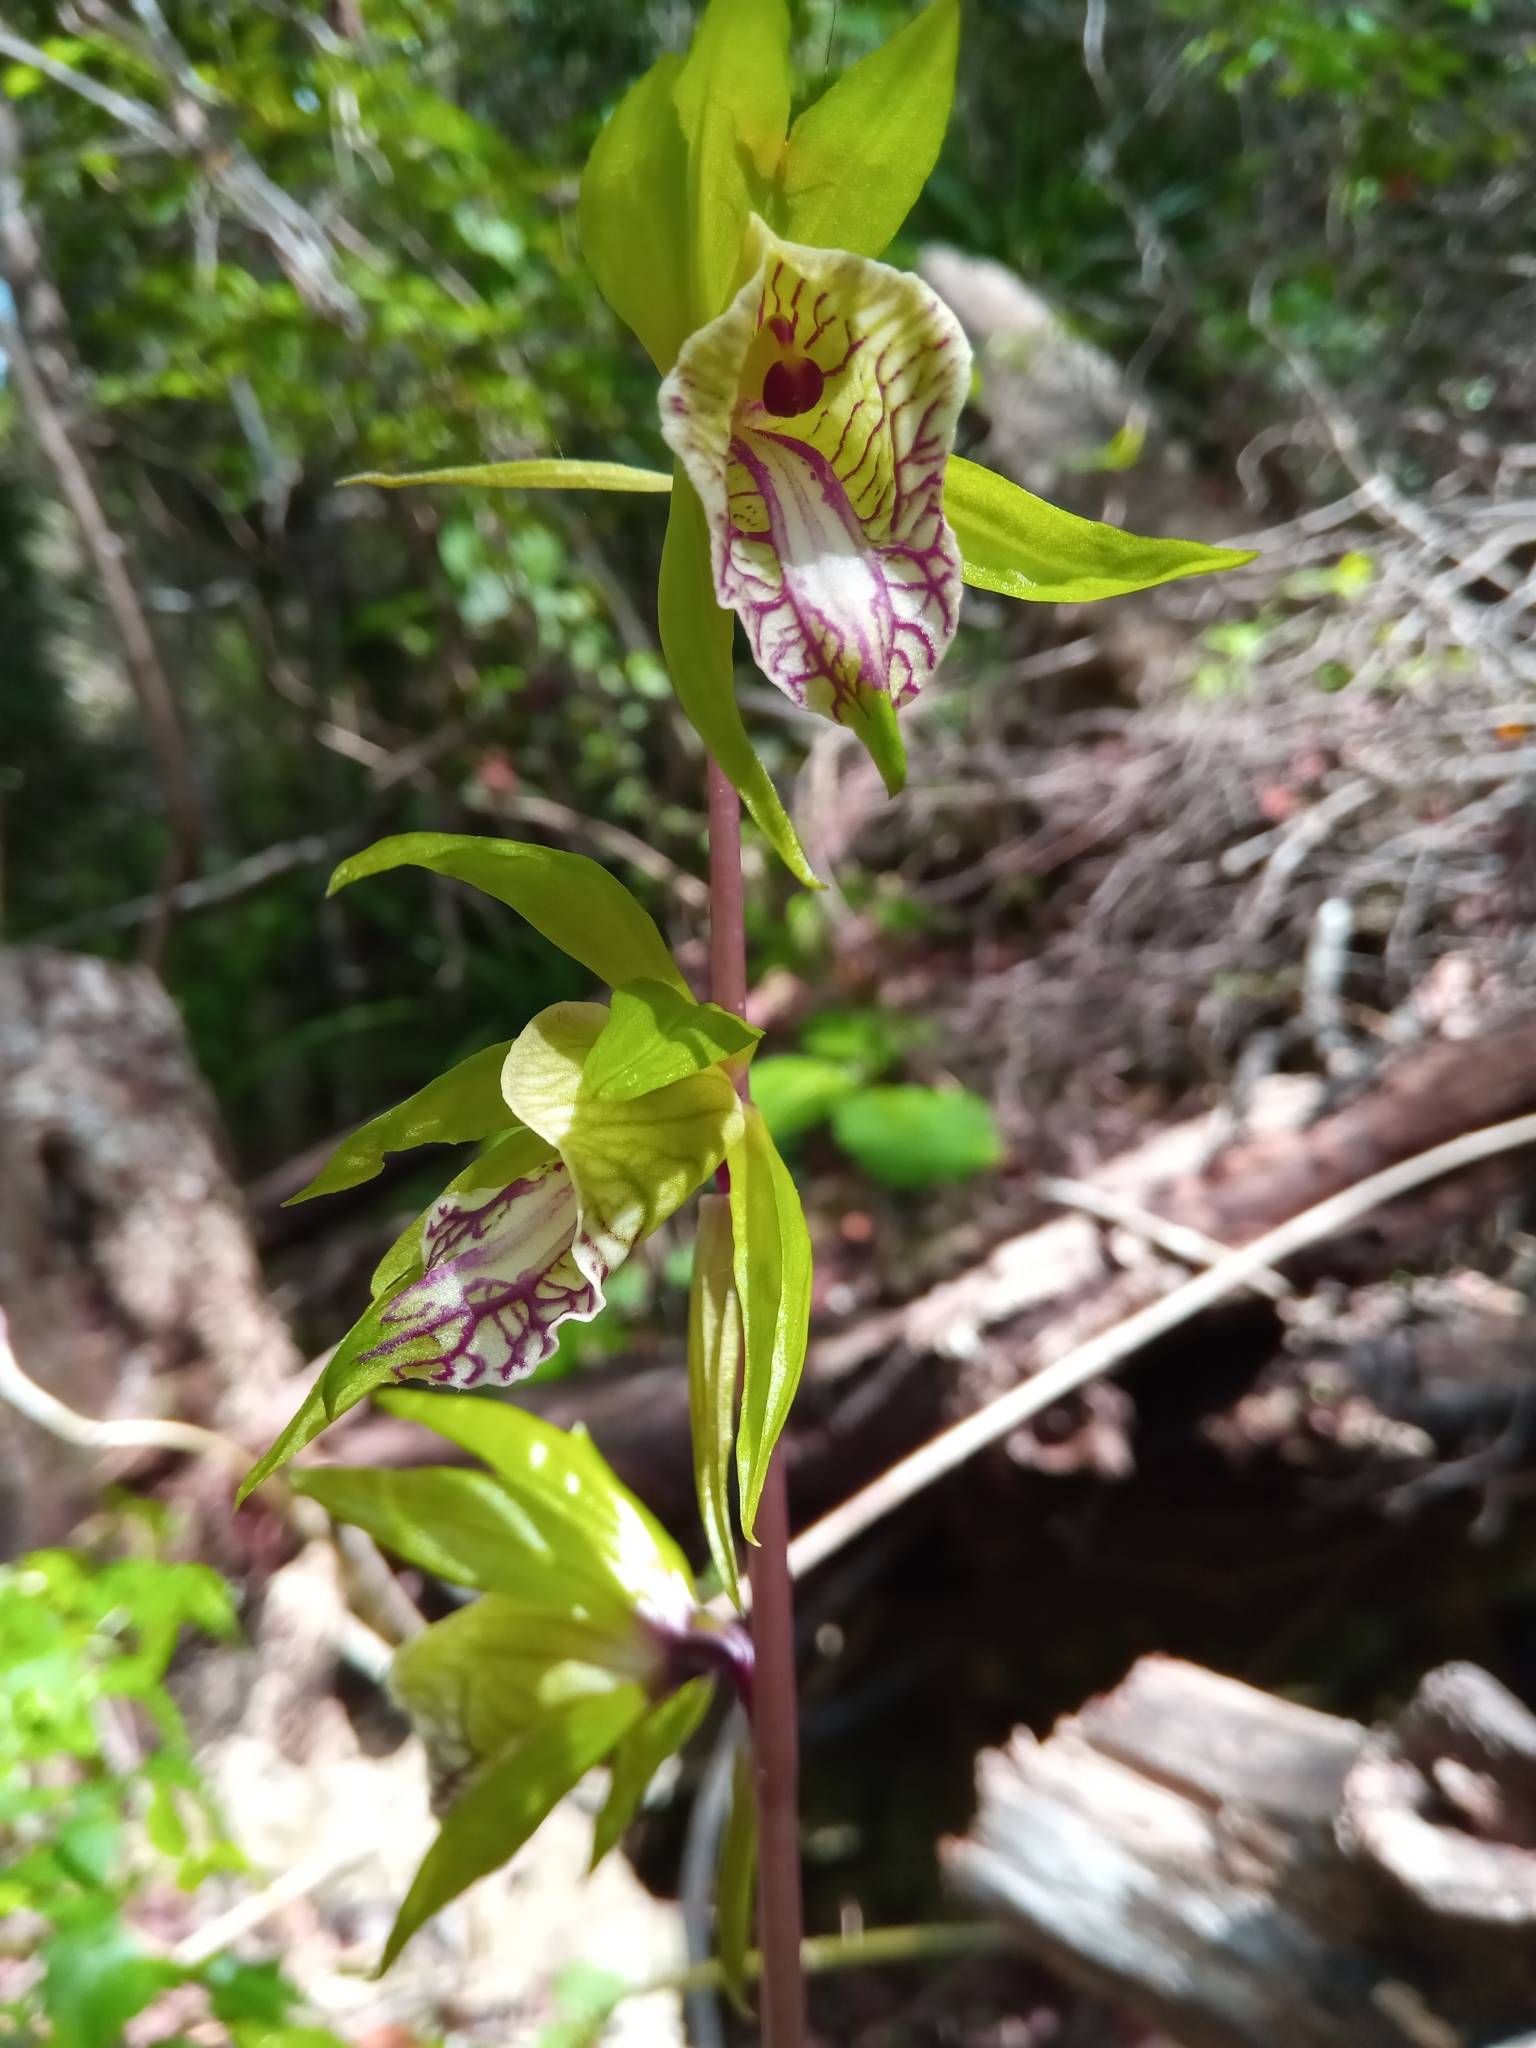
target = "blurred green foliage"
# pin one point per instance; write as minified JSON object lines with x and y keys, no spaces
{"x":101,"y":1802}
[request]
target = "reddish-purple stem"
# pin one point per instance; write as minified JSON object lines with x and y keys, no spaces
{"x":775,"y":1708}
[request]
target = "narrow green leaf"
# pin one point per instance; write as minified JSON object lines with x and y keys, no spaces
{"x":504,"y":1806}
{"x":633,"y":214}
{"x":696,"y":643}
{"x":859,"y":157}
{"x":653,"y":1036}
{"x":576,"y":905}
{"x":465,"y":1527}
{"x":326,"y":1400}
{"x":917,"y":1137}
{"x":736,"y":1882}
{"x":872,"y":716}
{"x":641,"y":1754}
{"x":581,"y":1513}
{"x":1021,"y":546}
{"x":464,"y":1104}
{"x":773,"y":1283}
{"x":714,"y":1372}
{"x":732,"y":98}
{"x":548,"y":474}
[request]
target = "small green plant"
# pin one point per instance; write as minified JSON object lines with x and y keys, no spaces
{"x":100,"y":1801}
{"x":810,"y":396}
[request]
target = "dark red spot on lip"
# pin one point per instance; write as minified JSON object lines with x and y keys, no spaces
{"x":782,"y":330}
{"x":792,"y":386}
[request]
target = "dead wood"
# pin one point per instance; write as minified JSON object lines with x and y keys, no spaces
{"x":125,"y":1261}
{"x":1243,"y":1871}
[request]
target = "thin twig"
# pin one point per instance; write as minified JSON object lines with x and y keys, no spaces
{"x":1182,"y":1240}
{"x":946,"y":1452}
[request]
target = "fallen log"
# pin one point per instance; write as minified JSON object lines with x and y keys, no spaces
{"x":1245,"y":1872}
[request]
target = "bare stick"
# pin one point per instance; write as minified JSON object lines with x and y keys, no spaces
{"x":949,"y":1450}
{"x":1180,"y":1239}
{"x":141,"y":1433}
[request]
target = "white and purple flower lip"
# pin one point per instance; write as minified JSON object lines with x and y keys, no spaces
{"x":814,"y":418}
{"x":503,"y":1268}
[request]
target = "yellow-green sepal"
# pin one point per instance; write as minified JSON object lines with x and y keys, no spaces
{"x":1021,"y":546}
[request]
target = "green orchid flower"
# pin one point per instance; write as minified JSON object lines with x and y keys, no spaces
{"x":597,"y":1122}
{"x":810,"y":393}
{"x":588,"y":1641}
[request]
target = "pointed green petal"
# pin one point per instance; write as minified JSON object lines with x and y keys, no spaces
{"x":504,"y":1806}
{"x":539,"y":475}
{"x":1020,"y":546}
{"x":773,"y":1284}
{"x":859,"y":157}
{"x":714,"y":1370}
{"x":696,"y":643}
{"x":640,"y":1756}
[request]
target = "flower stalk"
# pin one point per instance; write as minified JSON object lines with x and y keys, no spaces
{"x":775,"y":1709}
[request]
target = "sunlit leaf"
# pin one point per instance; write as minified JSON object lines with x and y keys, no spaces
{"x":696,"y":643}
{"x":576,"y":904}
{"x":488,"y":1676}
{"x":545,"y":474}
{"x":654,"y":1036}
{"x":732,"y":99}
{"x":773,"y":1284}
{"x":464,"y":1104}
{"x":917,"y":1137}
{"x":859,"y":156}
{"x":578,"y":1513}
{"x":504,"y":1805}
{"x":633,"y":214}
{"x":714,"y":1371}
{"x":736,"y":1882}
{"x":1021,"y":546}
{"x":643,"y":1751}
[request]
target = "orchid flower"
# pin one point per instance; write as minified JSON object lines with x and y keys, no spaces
{"x":598,"y":1121}
{"x":814,"y":418}
{"x":810,"y":394}
{"x":503,"y":1267}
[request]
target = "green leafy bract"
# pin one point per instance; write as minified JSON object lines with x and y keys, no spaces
{"x":464,"y":1104}
{"x":572,"y":901}
{"x":736,"y":1880}
{"x":580,"y":1521}
{"x":1020,"y":546}
{"x":860,"y":155}
{"x":773,"y":1284}
{"x":654,"y":1036}
{"x":542,"y":474}
{"x":714,"y":1370}
{"x":509,"y":1800}
{"x":696,"y":644}
{"x":633,"y":214}
{"x":917,"y":1137}
{"x":641,"y":1754}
